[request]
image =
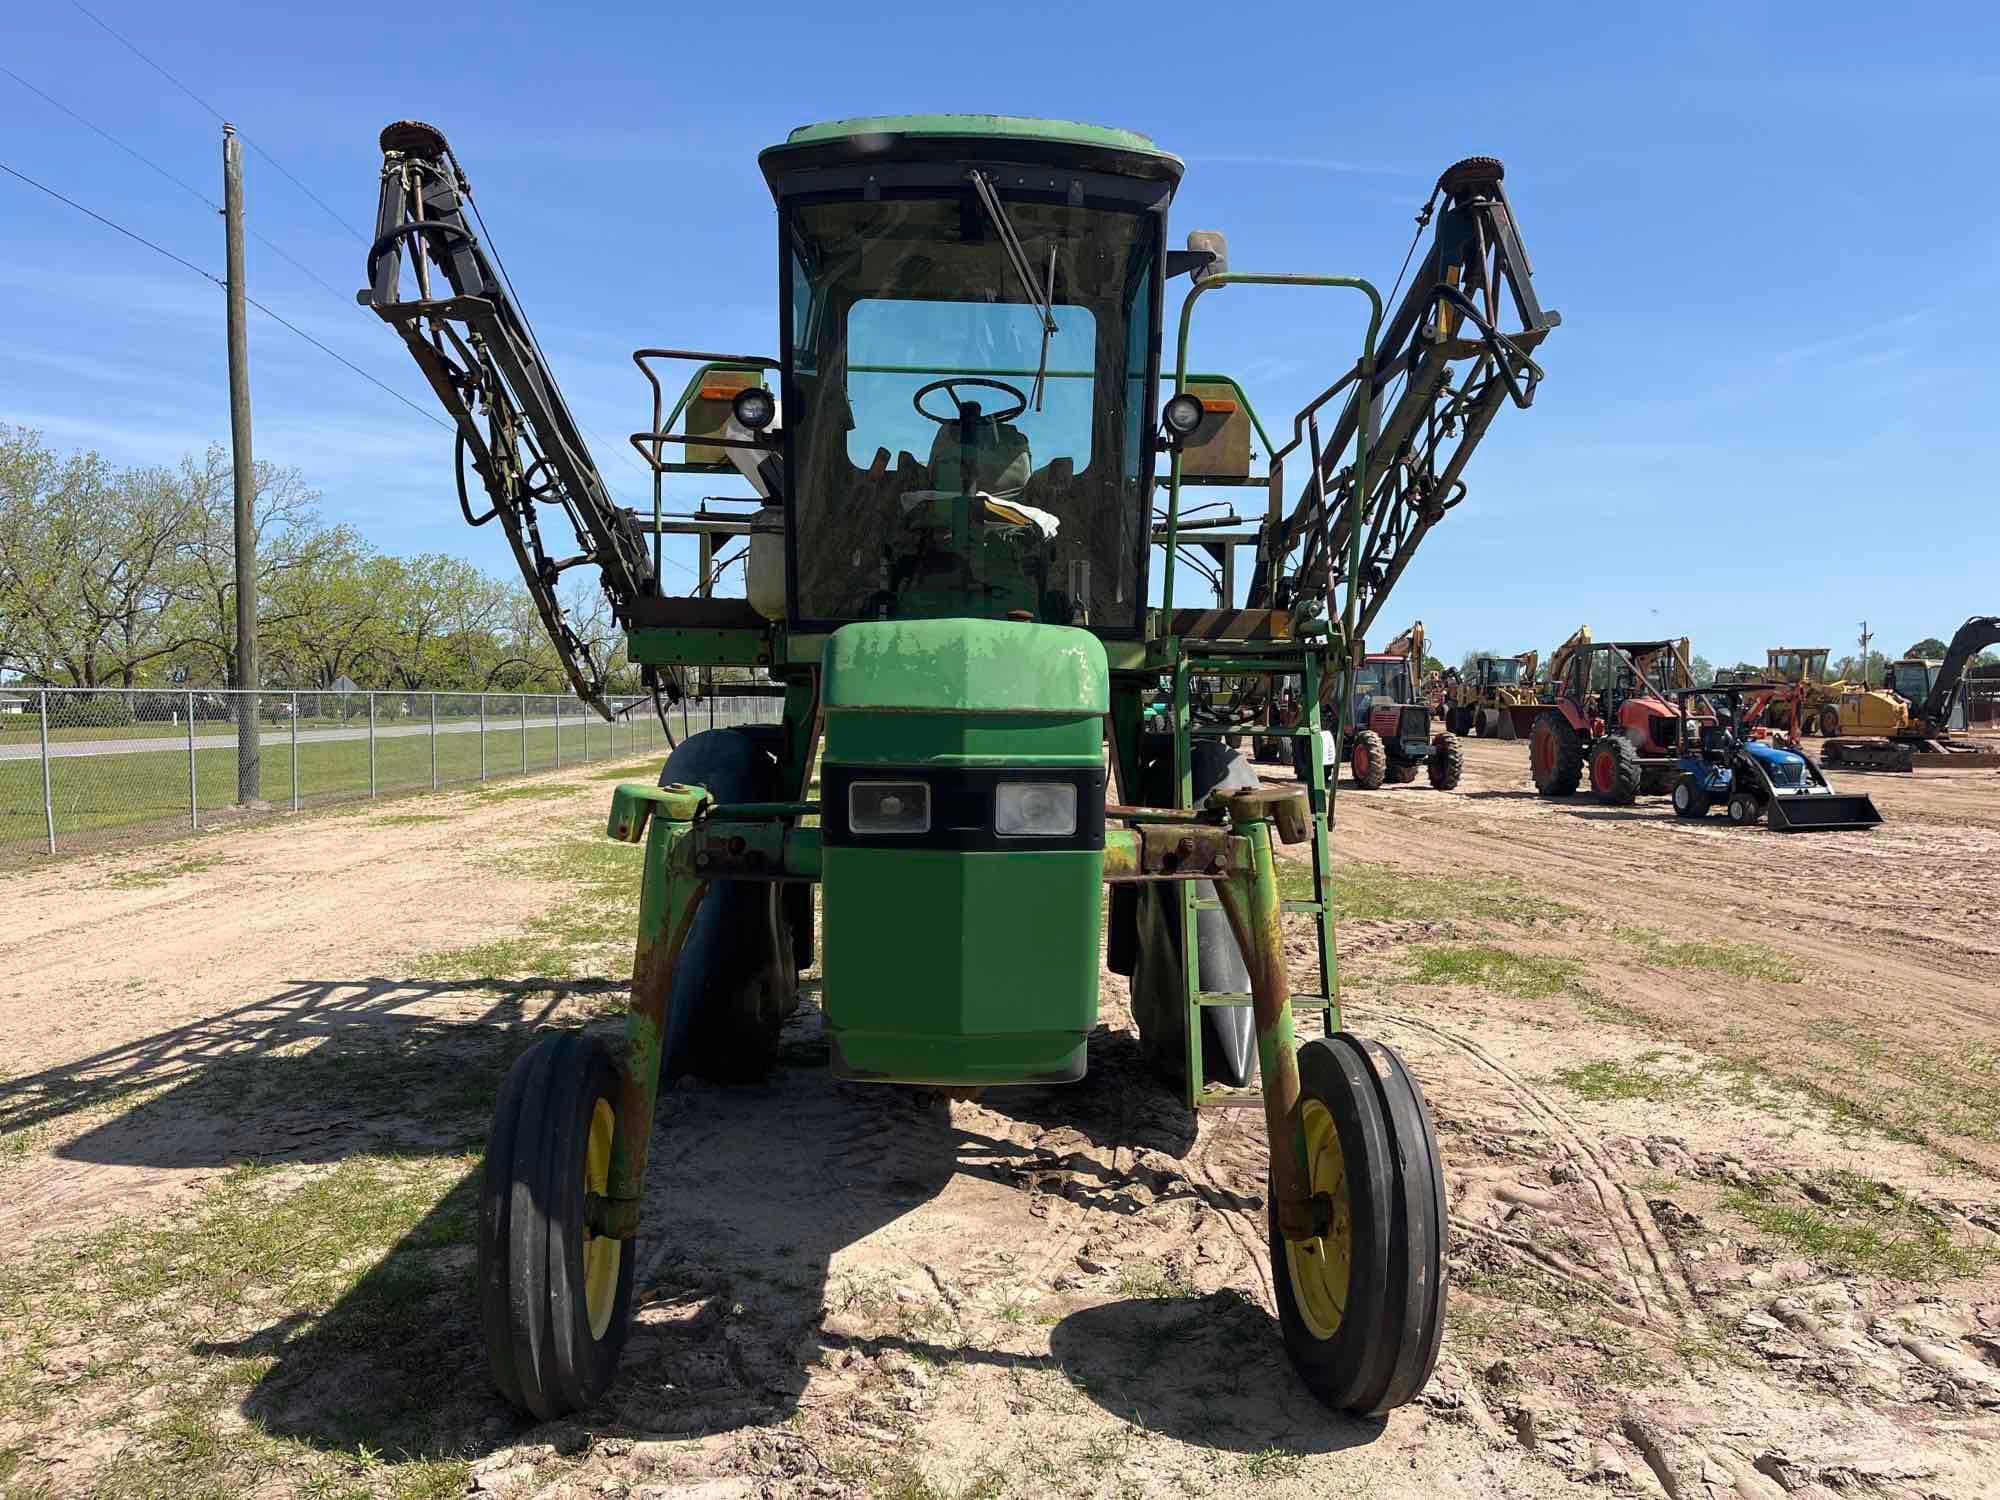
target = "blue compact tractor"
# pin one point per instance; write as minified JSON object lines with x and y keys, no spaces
{"x":1722,"y":762}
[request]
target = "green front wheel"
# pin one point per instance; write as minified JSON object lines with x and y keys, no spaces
{"x":1361,"y":1304}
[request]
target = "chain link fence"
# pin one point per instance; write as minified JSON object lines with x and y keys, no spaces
{"x":88,"y":768}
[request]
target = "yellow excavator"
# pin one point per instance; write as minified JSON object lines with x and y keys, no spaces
{"x":1907,"y":721}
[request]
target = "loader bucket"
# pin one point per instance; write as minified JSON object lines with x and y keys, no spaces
{"x":1823,"y":813}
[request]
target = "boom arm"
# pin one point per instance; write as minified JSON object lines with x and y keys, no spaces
{"x":1974,"y":636}
{"x":1443,"y":365}
{"x":477,"y":351}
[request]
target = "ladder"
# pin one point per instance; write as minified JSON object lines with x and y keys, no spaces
{"x":1271,"y":660}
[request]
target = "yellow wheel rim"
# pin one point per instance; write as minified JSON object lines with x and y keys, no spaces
{"x":1320,"y":1267}
{"x":600,"y":1252}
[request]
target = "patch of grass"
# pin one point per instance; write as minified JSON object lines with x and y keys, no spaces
{"x":160,"y":874}
{"x":601,"y":909}
{"x":411,"y":820}
{"x":1149,"y":1281}
{"x":537,"y":792}
{"x":647,"y":771}
{"x":1735,"y":959}
{"x":355,"y":1265}
{"x":1365,"y":892}
{"x":1853,"y":1223}
{"x":1525,"y":976}
{"x":1608,"y":1079}
{"x":1270,"y":1464}
{"x":1525,"y":1290}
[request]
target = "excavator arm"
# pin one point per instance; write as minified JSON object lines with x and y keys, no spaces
{"x":1974,"y":636}
{"x":1456,"y":348}
{"x":473,"y":344}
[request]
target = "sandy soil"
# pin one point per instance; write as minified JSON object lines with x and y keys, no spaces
{"x":847,"y":1289}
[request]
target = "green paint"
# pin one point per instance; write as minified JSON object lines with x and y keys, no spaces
{"x":947,"y":739}
{"x":662,"y":646}
{"x":966,"y":666}
{"x":877,"y":134}
{"x":951,"y":968}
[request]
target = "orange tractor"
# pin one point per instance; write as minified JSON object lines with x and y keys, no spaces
{"x":1616,"y":716}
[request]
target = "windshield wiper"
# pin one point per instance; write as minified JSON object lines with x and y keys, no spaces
{"x":1043,"y":297}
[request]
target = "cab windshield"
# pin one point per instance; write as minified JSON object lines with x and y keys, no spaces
{"x":1503,"y":673}
{"x":966,"y":407}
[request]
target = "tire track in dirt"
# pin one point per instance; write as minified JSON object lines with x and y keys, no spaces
{"x":1664,"y":1283}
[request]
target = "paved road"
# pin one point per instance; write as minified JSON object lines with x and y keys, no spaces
{"x":218,"y":736}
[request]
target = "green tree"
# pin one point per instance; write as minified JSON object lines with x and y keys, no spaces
{"x":1930,"y":648}
{"x":88,"y":559}
{"x":1702,"y":670}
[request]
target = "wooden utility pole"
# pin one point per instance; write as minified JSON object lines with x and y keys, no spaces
{"x":1866,"y":637}
{"x":249,"y":767}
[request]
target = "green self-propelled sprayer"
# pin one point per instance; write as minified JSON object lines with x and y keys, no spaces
{"x":961,"y":472}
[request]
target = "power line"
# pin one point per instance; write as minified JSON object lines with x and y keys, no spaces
{"x":181,"y":183}
{"x":211,"y":276}
{"x":134,"y":50}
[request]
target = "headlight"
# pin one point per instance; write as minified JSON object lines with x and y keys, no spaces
{"x":1034,"y":809}
{"x":889,"y":807}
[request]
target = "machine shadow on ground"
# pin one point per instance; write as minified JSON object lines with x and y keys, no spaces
{"x":754,"y":1194}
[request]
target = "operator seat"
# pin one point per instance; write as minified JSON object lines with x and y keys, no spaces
{"x":997,"y":462}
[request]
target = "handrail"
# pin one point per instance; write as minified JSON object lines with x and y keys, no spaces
{"x":1363,"y":372}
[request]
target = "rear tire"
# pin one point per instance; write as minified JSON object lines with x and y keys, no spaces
{"x":1446,"y":762}
{"x":1362,"y":1306}
{"x":1368,"y":761}
{"x":1555,"y":755}
{"x":1615,"y":773}
{"x":1829,"y":723}
{"x":737,"y":978}
{"x":555,"y":1300}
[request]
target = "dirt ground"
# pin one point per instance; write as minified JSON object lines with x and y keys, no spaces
{"x":1718,"y":1108}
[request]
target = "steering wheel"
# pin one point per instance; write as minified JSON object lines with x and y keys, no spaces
{"x":950,"y":388}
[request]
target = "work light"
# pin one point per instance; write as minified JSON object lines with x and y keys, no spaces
{"x":1034,"y":809}
{"x":754,"y":408}
{"x":889,"y":807}
{"x":1182,"y":414}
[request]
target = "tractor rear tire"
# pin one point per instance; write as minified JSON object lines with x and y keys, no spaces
{"x":1368,"y":761}
{"x":1690,"y":801}
{"x":737,"y":978}
{"x":1362,"y":1306}
{"x":1615,"y":773}
{"x":1446,"y":762}
{"x":555,"y":1300}
{"x":1555,"y":755}
{"x":1829,"y":723}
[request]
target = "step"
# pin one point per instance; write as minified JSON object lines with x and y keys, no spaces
{"x":1203,"y":903}
{"x":1299,"y":1002}
{"x":1255,"y":731}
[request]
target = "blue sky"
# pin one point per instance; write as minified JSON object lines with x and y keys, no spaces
{"x":1767,"y":415}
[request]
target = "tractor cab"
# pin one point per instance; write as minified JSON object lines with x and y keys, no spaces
{"x":969,"y":365}
{"x":1793,"y":664}
{"x":1499,"y":672}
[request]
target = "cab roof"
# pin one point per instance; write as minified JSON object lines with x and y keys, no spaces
{"x":1070,"y":143}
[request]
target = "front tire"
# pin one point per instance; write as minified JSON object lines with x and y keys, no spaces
{"x":1368,"y":761}
{"x":1615,"y":773}
{"x":555,"y":1300}
{"x":1446,"y":763}
{"x":1829,"y":723}
{"x":1743,"y":809}
{"x":1555,"y":755}
{"x":1361,"y":1306}
{"x":1690,"y":801}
